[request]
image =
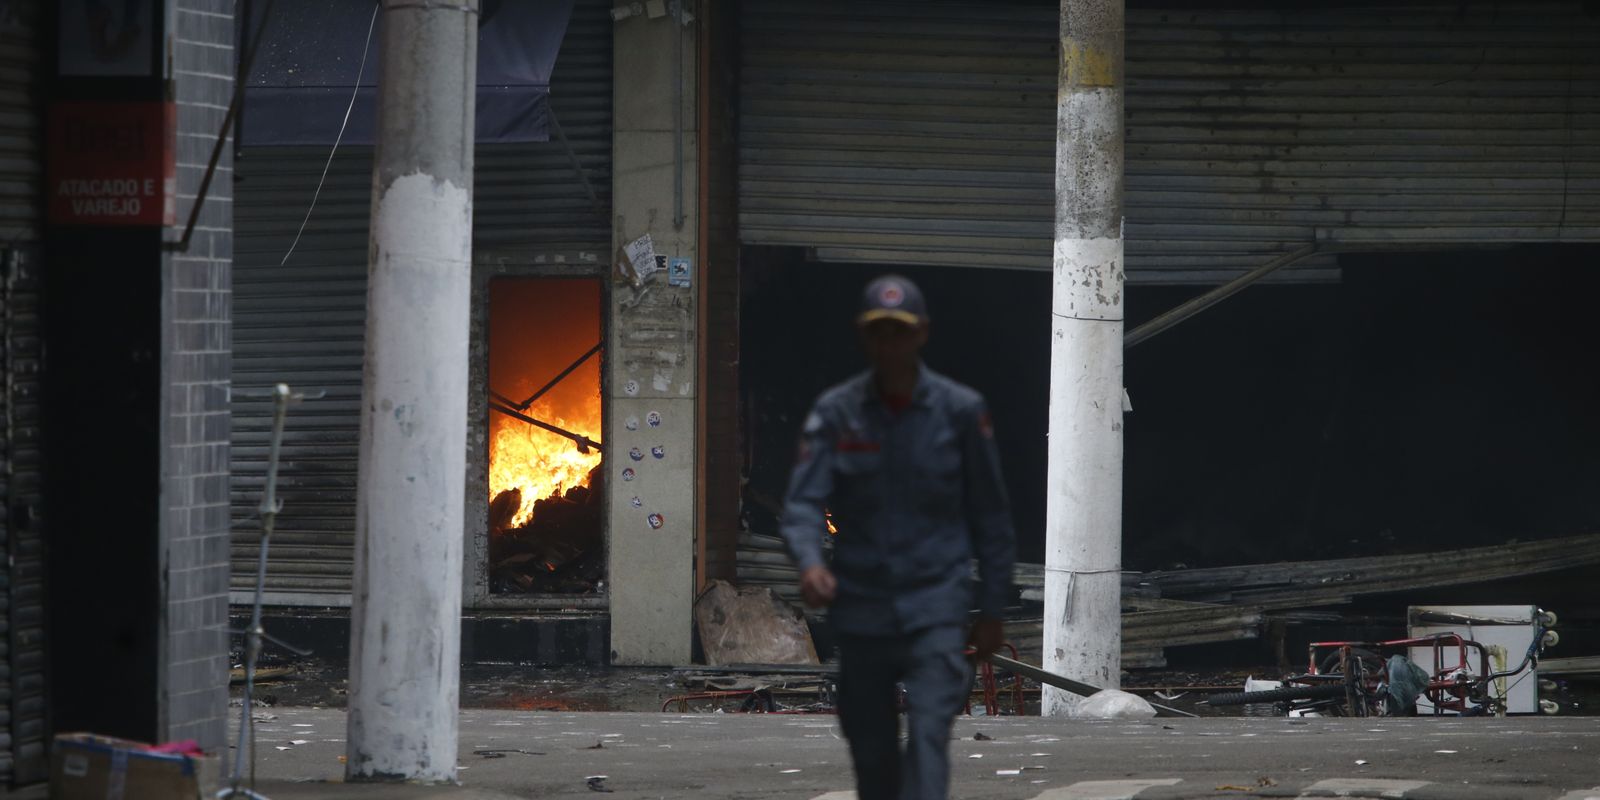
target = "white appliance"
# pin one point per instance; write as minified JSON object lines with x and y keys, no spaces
{"x":1511,"y":628}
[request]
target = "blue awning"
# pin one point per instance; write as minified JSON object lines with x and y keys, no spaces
{"x":310,"y":57}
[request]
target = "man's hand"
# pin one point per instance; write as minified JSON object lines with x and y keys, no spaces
{"x":817,"y":586}
{"x":986,"y":637}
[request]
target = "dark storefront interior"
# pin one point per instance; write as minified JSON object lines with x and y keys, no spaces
{"x":1427,"y":402}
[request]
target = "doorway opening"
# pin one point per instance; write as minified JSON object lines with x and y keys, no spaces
{"x":546,"y":520}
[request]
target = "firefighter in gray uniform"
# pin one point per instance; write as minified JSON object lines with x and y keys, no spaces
{"x":905,"y":461}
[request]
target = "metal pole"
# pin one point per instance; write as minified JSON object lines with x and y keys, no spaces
{"x":1068,"y":685}
{"x":406,"y":608}
{"x":523,"y":406}
{"x":583,"y":442}
{"x":1195,"y":305}
{"x":1083,"y":515}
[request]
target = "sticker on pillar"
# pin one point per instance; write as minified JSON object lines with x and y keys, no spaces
{"x":658,"y":451}
{"x":678,"y":272}
{"x":641,"y":256}
{"x":631,"y":424}
{"x":627,"y":474}
{"x":631,"y":388}
{"x":636,"y":502}
{"x":653,"y":419}
{"x":636,"y":454}
{"x":656,"y":521}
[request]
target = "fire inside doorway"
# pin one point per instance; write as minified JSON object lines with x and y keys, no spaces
{"x":545,"y":496}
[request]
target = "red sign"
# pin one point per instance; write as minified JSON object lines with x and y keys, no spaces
{"x":112,"y":163}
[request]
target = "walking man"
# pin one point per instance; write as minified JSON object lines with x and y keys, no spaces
{"x":904,"y":459}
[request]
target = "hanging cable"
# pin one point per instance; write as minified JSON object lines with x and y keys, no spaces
{"x":360,"y":71}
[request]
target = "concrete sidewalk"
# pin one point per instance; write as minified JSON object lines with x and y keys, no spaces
{"x":741,"y":756}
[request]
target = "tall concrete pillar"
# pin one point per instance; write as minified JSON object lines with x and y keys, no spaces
{"x":650,"y":357}
{"x":405,"y":635}
{"x":1083,"y":537}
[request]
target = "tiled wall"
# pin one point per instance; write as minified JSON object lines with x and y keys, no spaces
{"x":198,"y":313}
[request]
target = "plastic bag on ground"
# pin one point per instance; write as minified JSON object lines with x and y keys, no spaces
{"x":1113,"y":704}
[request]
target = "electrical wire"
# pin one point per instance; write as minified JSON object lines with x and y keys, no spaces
{"x":360,"y":71}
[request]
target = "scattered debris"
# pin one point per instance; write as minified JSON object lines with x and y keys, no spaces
{"x":980,"y":736}
{"x":598,"y":745}
{"x":560,"y":550}
{"x":597,"y":783}
{"x":1008,"y":772}
{"x":1262,"y":782}
{"x":1361,"y":762}
{"x":1060,"y":682}
{"x":751,"y":625}
{"x":1113,"y":704}
{"x":501,"y":752}
{"x":264,"y":674}
{"x":1218,"y":604}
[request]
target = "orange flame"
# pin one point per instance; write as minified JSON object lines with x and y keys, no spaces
{"x":538,"y":462}
{"x":537,"y":327}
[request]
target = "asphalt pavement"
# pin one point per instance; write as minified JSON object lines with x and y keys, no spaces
{"x":523,"y":754}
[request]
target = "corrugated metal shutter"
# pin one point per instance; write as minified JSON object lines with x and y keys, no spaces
{"x":22,"y":699}
{"x":923,"y":132}
{"x":24,"y":535}
{"x":20,"y":164}
{"x":303,"y":322}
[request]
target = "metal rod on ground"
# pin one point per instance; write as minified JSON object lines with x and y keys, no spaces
{"x":523,"y":406}
{"x":1069,"y":685}
{"x":405,"y":632}
{"x":269,"y":508}
{"x":1198,"y":304}
{"x":583,"y":442}
{"x":1083,"y":507}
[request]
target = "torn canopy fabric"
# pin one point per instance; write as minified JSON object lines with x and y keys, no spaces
{"x":310,"y":63}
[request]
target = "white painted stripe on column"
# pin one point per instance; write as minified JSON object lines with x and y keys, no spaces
{"x":836,"y":796}
{"x":1582,"y":794}
{"x":1106,"y":790}
{"x":1361,"y":787}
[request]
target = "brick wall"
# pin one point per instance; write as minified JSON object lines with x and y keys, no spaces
{"x":197,"y":328}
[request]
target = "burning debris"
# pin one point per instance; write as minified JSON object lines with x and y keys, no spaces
{"x":556,"y":548}
{"x":545,"y":519}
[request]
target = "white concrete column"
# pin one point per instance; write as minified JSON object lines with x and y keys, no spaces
{"x":405,"y":636}
{"x":650,"y":357}
{"x":1083,"y":534}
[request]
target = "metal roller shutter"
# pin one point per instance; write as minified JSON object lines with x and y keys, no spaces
{"x":24,"y":594}
{"x":20,"y":161}
{"x":22,"y":699}
{"x":303,"y":322}
{"x":923,"y":132}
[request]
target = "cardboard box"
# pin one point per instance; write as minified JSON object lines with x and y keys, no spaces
{"x":84,"y":766}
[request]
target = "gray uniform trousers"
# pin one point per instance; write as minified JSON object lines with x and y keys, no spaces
{"x":938,"y":680}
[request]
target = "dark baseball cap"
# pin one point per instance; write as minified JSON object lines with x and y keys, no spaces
{"x":893,"y":297}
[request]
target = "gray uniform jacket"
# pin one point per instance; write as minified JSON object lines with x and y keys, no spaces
{"x":915,"y":496}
